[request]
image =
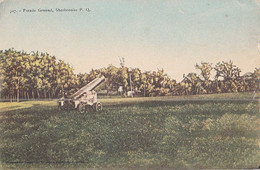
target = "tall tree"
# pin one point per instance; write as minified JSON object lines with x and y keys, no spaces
{"x":229,"y":74}
{"x":205,"y":69}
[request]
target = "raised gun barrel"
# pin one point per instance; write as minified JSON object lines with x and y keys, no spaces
{"x":90,"y":86}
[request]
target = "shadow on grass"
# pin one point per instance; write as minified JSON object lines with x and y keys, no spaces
{"x":209,"y":107}
{"x":181,"y":102}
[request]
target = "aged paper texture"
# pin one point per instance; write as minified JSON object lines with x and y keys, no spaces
{"x":129,"y":84}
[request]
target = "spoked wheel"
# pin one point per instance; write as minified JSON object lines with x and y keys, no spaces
{"x":98,"y":107}
{"x":82,"y":108}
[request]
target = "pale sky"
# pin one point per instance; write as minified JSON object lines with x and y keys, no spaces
{"x":169,"y":34}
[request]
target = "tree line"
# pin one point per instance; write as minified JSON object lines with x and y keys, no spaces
{"x":38,"y":75}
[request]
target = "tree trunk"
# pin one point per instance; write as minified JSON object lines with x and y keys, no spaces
{"x":45,"y":94}
{"x":32,"y":94}
{"x":53,"y":93}
{"x":28,"y":96}
{"x":38,"y":94}
{"x":25,"y":95}
{"x":17,"y":94}
{"x":21,"y":94}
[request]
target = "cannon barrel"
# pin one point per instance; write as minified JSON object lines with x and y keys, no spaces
{"x":90,"y":86}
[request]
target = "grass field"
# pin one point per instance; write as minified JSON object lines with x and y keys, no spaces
{"x":169,"y":132}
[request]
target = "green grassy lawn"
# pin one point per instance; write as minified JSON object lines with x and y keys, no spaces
{"x":169,"y":132}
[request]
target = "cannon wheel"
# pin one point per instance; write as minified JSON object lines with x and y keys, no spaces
{"x":82,"y":108}
{"x":98,"y":107}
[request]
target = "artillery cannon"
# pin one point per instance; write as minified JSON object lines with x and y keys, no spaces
{"x":84,"y":99}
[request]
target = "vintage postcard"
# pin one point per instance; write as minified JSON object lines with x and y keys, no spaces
{"x":129,"y":84}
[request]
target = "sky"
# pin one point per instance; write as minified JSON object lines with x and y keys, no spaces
{"x":150,"y":35}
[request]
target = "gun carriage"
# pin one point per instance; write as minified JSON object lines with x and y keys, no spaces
{"x":85,"y":99}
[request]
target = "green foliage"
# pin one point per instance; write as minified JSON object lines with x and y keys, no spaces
{"x":34,"y":75}
{"x":39,"y":75}
{"x":230,"y":75}
{"x":205,"y":82}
